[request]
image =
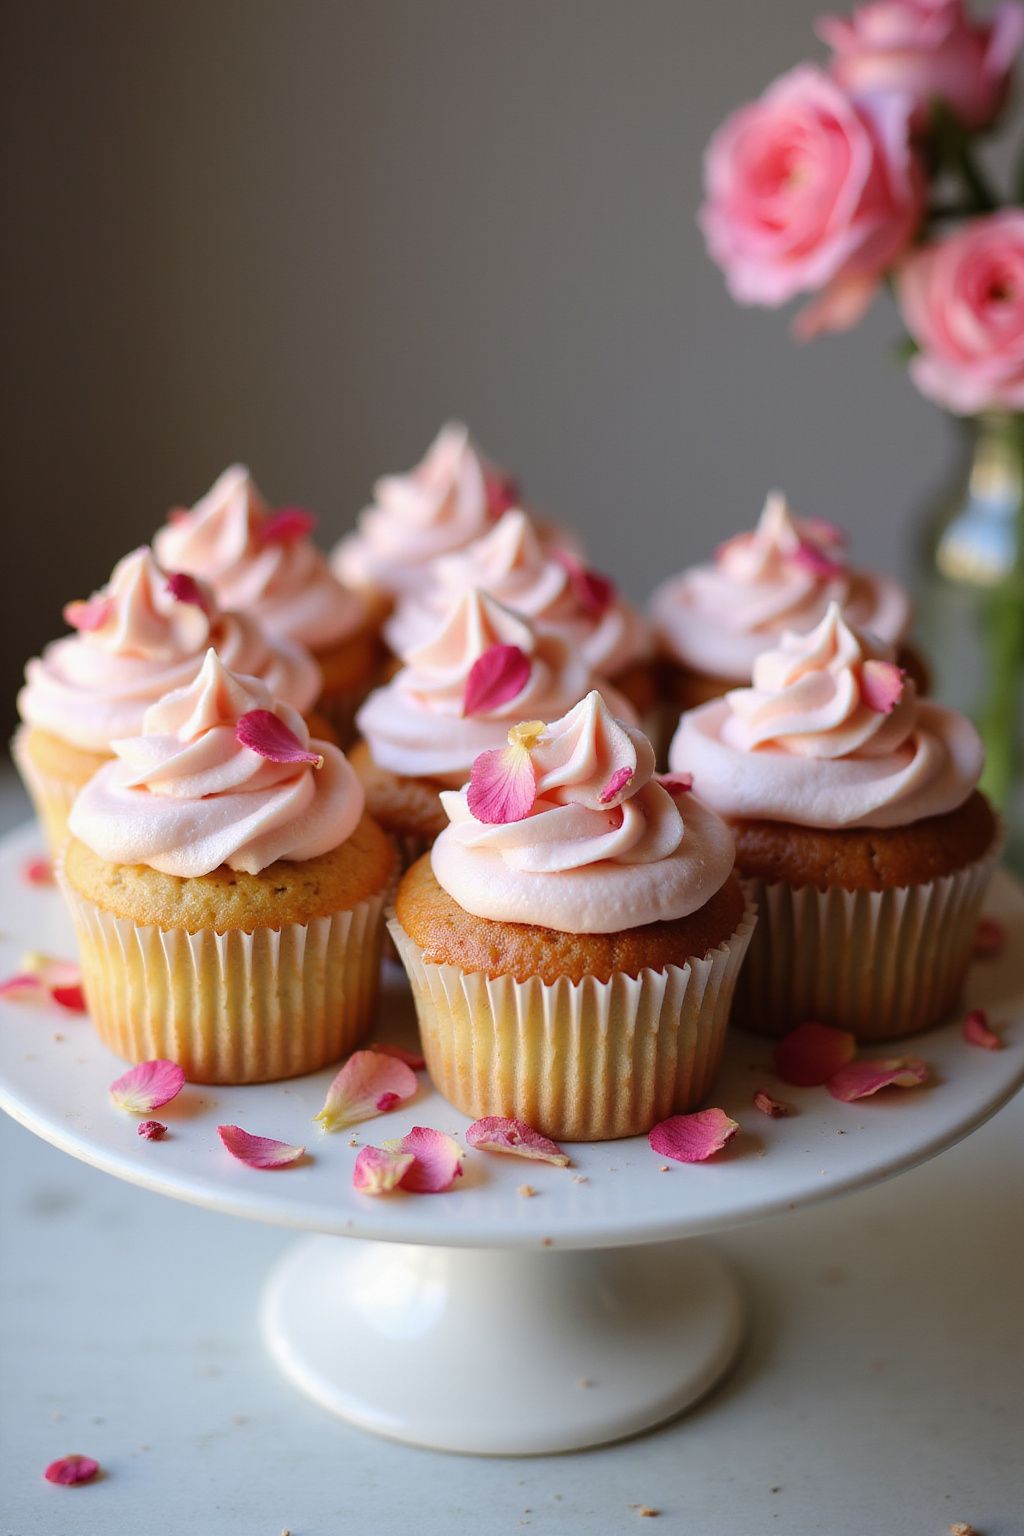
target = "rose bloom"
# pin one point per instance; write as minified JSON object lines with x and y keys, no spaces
{"x":810,"y":191}
{"x":963,"y":303}
{"x":928,"y":49}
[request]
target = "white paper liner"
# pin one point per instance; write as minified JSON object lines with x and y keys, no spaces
{"x":881,"y":964}
{"x":579,"y":1061}
{"x":52,"y":797}
{"x":232,"y":1007}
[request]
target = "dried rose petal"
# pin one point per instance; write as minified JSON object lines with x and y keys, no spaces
{"x":693,"y":1138}
{"x":44,"y":979}
{"x":812,"y":1053}
{"x":186,"y":589}
{"x":811,"y":558}
{"x":263,"y":733}
{"x":676,"y":783}
{"x":258,"y":1151}
{"x":152,"y":1130}
{"x":71,"y":1470}
{"x":147,"y":1086}
{"x":503,"y":782}
{"x":978,"y":1031}
{"x":618,"y":781}
{"x":413,"y":1059}
{"x":37,"y":871}
{"x":501,"y":1133}
{"x":860,"y":1079}
{"x":502,"y":491}
{"x":594,"y":593}
{"x":378,"y":1171}
{"x":287,"y":525}
{"x":881,"y":685}
{"x":989,"y":936}
{"x":437,"y":1160}
{"x":88,"y":616}
{"x":496,"y":677}
{"x":775,"y":1108}
{"x":370,"y":1083}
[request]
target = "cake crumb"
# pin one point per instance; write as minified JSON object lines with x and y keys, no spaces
{"x":584,"y":1381}
{"x":353,"y":1141}
{"x":59,"y":1039}
{"x":645,"y":1511}
{"x":580,"y":1178}
{"x":526,"y":1190}
{"x":547,"y":1242}
{"x":961,"y":1528}
{"x":664,"y":1168}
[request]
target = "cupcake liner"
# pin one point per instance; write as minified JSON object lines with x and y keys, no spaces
{"x":231,"y":1007}
{"x":881,"y":964}
{"x":52,"y":796}
{"x":579,"y":1061}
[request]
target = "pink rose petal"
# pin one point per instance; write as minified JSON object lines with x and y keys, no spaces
{"x":860,"y":1079}
{"x":71,"y":1470}
{"x":989,"y":937}
{"x":24,"y":988}
{"x":187,"y":590}
{"x":824,"y":532}
{"x":43,"y":978}
{"x":496,"y":677}
{"x":72,"y":998}
{"x":437,"y":1160}
{"x":812,"y":1053}
{"x":258,"y":1151}
{"x":676,"y":783}
{"x":287,"y":526}
{"x":38,"y":871}
{"x":978,"y":1031}
{"x":147,"y":1086}
{"x":594,"y":593}
{"x":618,"y":781}
{"x":811,"y":558}
{"x":774,"y":1108}
{"x":501,"y":490}
{"x":87,"y":616}
{"x":263,"y":733}
{"x":693,"y":1138}
{"x":152,"y":1130}
{"x":500,"y":1133}
{"x":378,"y":1171}
{"x":502,"y":784}
{"x":881,"y":686}
{"x":413,"y":1059}
{"x":370,"y":1083}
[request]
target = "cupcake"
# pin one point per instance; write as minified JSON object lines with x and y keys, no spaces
{"x":227,"y":888}
{"x":142,"y":635}
{"x":547,"y":585}
{"x":859,"y":827}
{"x":713,"y":621}
{"x":457,"y":696}
{"x":265,"y":564}
{"x":574,"y":936}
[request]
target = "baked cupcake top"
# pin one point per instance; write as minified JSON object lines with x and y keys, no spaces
{"x":718,"y":618}
{"x":549,"y":586}
{"x":222,"y":774}
{"x":567,"y":827}
{"x":831,"y":734}
{"x":262,"y":562}
{"x":446,"y":502}
{"x":484,"y":668}
{"x":143,"y":634}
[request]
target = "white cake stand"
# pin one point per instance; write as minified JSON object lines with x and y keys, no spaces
{"x":487,"y":1319}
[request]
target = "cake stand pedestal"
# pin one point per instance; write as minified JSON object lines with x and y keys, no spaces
{"x":489,"y":1319}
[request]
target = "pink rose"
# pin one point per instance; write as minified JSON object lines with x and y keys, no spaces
{"x":809,"y":191}
{"x":963,"y":302}
{"x":928,"y":49}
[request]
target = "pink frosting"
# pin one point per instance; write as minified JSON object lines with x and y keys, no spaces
{"x":512,"y":564}
{"x":416,"y":726}
{"x":186,"y":797}
{"x":718,"y":618}
{"x":584,"y":860}
{"x":90,"y":688}
{"x":803,"y":745}
{"x":286,"y":584}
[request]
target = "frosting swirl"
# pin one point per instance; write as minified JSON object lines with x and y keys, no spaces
{"x":228,"y":540}
{"x":186,"y":797}
{"x":809,"y":743}
{"x":512,"y":564}
{"x":718,"y":618}
{"x":604,"y":846}
{"x":418,"y":727}
{"x":94,"y":686}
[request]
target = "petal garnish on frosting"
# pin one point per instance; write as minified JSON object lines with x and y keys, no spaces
{"x":187,"y":590}
{"x":286,"y":525}
{"x":89,"y":614}
{"x":503,"y":783}
{"x":267,"y":735}
{"x":495,"y":678}
{"x":594,"y":593}
{"x":881,"y":685}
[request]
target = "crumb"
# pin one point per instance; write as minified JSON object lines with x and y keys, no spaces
{"x":776,"y":1489}
{"x":546,"y":1242}
{"x":353,"y":1141}
{"x":239,"y":1418}
{"x":840,"y":1133}
{"x":961,"y":1528}
{"x":664,"y":1168}
{"x":526,"y":1190}
{"x":56,"y":1417}
{"x":59,"y":1039}
{"x":584,"y":1381}
{"x":762,"y":1152}
{"x":645,"y":1511}
{"x":580,"y":1178}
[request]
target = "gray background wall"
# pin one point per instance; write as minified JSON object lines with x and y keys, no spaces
{"x":303,"y":233}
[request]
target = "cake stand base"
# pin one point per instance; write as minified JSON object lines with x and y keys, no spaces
{"x":502,"y":1353}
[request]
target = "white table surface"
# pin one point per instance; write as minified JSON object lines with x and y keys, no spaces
{"x":881,"y":1392}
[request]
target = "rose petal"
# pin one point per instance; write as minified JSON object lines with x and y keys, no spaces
{"x":824,"y":532}
{"x":502,"y":491}
{"x":370,"y":1083}
{"x":187,"y":590}
{"x":811,"y":558}
{"x":87,"y":616}
{"x":70,"y":1470}
{"x":378,"y":1171}
{"x":501,"y":1133}
{"x":72,"y":998}
{"x":774,"y":1108}
{"x":693,"y":1138}
{"x":413,"y":1059}
{"x":594,"y":593}
{"x":287,"y":525}
{"x":258,"y":1151}
{"x":989,"y":936}
{"x":978,"y":1031}
{"x":502,"y":785}
{"x":618,"y":781}
{"x":860,"y":1079}
{"x":812,"y":1053}
{"x":881,"y":686}
{"x":24,"y":988}
{"x":676,"y":783}
{"x":496,"y":677}
{"x":152,"y":1130}
{"x":147,"y":1086}
{"x":263,"y":733}
{"x":37,"y":871}
{"x":437,"y":1160}
{"x":43,"y":978}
